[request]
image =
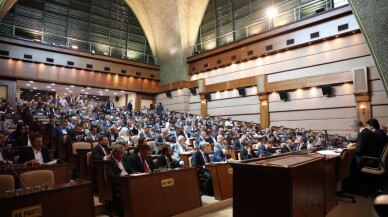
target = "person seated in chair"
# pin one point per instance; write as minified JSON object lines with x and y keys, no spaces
{"x":142,"y":161}
{"x":299,"y":145}
{"x":36,"y":154}
{"x":101,"y":152}
{"x":264,"y":150}
{"x":4,"y":152}
{"x":287,"y":147}
{"x":117,"y":165}
{"x":247,"y":151}
{"x":166,"y":160}
{"x":198,"y":160}
{"x":93,"y":135}
{"x":222,"y":155}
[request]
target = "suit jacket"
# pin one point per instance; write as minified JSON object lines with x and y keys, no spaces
{"x":210,"y":140}
{"x":368,"y":144}
{"x":115,"y":136}
{"x":6,"y":155}
{"x":175,"y":147}
{"x":27,"y":154}
{"x":20,"y":141}
{"x":197,"y":159}
{"x":98,"y":153}
{"x":285,"y":149}
{"x":245,"y":155}
{"x":263,"y":151}
{"x":237,"y":145}
{"x":137,"y":164}
{"x":162,"y":163}
{"x":90,"y":136}
{"x":58,"y":131}
{"x":112,"y":169}
{"x":219,"y":156}
{"x":296,"y":145}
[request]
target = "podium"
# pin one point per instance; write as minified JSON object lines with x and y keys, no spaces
{"x":290,"y":185}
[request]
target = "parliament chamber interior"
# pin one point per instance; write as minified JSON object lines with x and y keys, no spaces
{"x":211,"y":108}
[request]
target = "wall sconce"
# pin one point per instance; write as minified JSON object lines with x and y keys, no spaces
{"x":362,"y":107}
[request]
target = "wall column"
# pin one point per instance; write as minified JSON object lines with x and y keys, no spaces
{"x":363,"y":106}
{"x":203,"y":105}
{"x":11,"y":91}
{"x":264,"y":111}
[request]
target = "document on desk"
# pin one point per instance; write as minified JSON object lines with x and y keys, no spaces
{"x":328,"y":152}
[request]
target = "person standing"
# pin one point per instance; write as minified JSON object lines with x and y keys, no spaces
{"x":130,"y":107}
{"x":159,"y":109}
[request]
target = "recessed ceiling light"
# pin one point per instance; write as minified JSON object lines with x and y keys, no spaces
{"x":82,"y":90}
{"x":65,"y":94}
{"x":115,"y":93}
{"x":101,"y":94}
{"x":72,"y":86}
{"x":100,"y":91}
{"x":53,"y":84}
{"x":31,"y":90}
{"x":67,"y":88}
{"x":88,"y":88}
{"x":34,"y":88}
{"x":106,"y":89}
{"x":74,"y":46}
{"x":38,"y":93}
{"x":48,"y":87}
{"x":105,"y":53}
{"x":53,"y":89}
{"x":70,"y":91}
{"x":31,"y":81}
{"x":122,"y":91}
{"x":28,"y":84}
{"x":86,"y":93}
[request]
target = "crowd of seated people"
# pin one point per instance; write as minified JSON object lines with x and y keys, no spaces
{"x":82,"y":119}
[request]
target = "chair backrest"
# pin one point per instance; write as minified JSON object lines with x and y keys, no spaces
{"x":151,"y":144}
{"x":37,"y":177}
{"x":347,"y":156}
{"x":80,"y":145}
{"x":134,"y":139}
{"x":239,"y":156}
{"x":382,"y":168}
{"x":94,"y":144}
{"x":190,"y":165}
{"x":89,"y":159}
{"x":6,"y":183}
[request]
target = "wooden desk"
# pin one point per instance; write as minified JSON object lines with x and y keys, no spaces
{"x":104,"y":185}
{"x":160,"y":194}
{"x":61,"y":172}
{"x":297,"y":186}
{"x":185,"y":157}
{"x":234,"y":154}
{"x":191,"y":141}
{"x":84,"y":172}
{"x":62,"y":200}
{"x":222,"y":177}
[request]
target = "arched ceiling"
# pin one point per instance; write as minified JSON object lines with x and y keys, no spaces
{"x":171,"y":27}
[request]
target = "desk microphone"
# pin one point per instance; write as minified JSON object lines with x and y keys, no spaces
{"x":17,"y":175}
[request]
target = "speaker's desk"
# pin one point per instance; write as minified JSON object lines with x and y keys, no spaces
{"x":160,"y":194}
{"x":222,"y":177}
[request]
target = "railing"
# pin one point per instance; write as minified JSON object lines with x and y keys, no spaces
{"x":265,"y":24}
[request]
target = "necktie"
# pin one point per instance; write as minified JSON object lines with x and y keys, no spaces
{"x":146,"y":170}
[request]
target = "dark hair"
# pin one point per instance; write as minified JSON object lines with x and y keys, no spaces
{"x":101,"y":138}
{"x":19,"y":127}
{"x":140,"y":141}
{"x":144,"y":148}
{"x":35,"y":135}
{"x":374,"y":123}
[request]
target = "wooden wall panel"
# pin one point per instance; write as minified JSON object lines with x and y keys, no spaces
{"x":286,"y":85}
{"x":328,"y":79}
{"x":233,"y":110}
{"x":26,"y":70}
{"x":329,"y":113}
{"x":86,"y":77}
{"x":234,"y":102}
{"x":216,"y":87}
{"x":47,"y":72}
{"x":243,"y":82}
{"x":7,"y":67}
{"x":68,"y":75}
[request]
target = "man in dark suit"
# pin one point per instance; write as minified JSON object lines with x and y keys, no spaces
{"x":222,"y":155}
{"x":77,"y":134}
{"x":166,"y":160}
{"x":162,"y":139}
{"x":110,"y":104}
{"x":61,"y":129}
{"x":287,"y":147}
{"x":247,"y":151}
{"x":367,"y":142}
{"x":198,"y":160}
{"x":299,"y":145}
{"x":239,"y":143}
{"x":101,"y":152}
{"x":4,"y":152}
{"x":36,"y":154}
{"x":130,"y":107}
{"x":185,"y":133}
{"x":142,"y":162}
{"x":265,"y":150}
{"x":201,"y":138}
{"x":117,"y":165}
{"x":112,"y":134}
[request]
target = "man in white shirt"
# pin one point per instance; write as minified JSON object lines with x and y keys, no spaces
{"x":36,"y":154}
